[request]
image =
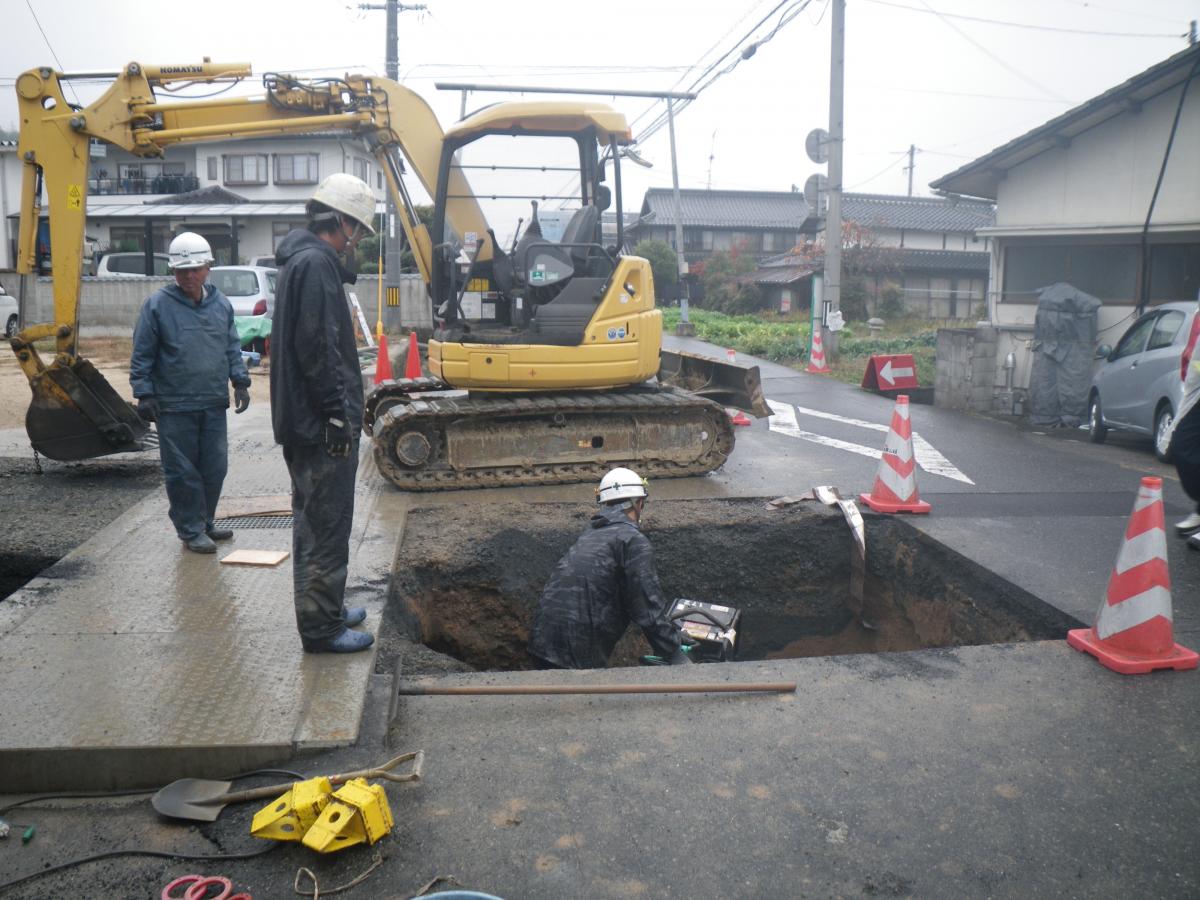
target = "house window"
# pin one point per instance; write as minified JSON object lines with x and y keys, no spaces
{"x":280,"y":230}
{"x":379,"y":180}
{"x":1174,"y":272}
{"x":250,"y":168}
{"x":212,"y":168}
{"x":295,"y":168}
{"x":1106,"y":271}
{"x":362,"y":169}
{"x":132,"y":238}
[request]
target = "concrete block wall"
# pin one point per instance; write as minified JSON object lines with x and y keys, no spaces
{"x":109,"y":307}
{"x":966,"y":368}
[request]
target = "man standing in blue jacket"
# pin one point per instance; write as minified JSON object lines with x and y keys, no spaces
{"x":317,"y":406}
{"x":185,"y":353}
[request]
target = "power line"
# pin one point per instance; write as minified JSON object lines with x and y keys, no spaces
{"x":747,"y":51}
{"x":1028,"y":25}
{"x":883,"y":171}
{"x":988,"y":53}
{"x":61,"y":67}
{"x":889,"y":87}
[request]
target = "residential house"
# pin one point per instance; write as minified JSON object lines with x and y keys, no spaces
{"x":761,"y":223}
{"x":243,"y":196}
{"x":930,"y":253}
{"x":1105,"y":197}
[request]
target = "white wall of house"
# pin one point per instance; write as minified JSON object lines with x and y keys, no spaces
{"x":10,"y":202}
{"x":1106,"y":176}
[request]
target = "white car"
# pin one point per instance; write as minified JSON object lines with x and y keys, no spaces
{"x":130,"y":265}
{"x":251,"y":289}
{"x":8,"y":313}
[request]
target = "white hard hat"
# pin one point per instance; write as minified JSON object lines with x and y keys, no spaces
{"x":621,"y":484}
{"x":189,"y":251}
{"x":349,"y":195}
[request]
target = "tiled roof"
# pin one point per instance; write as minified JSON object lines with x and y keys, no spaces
{"x":214,"y":193}
{"x":727,"y":209}
{"x":917,"y":213}
{"x":789,"y":267}
{"x":942,"y":260}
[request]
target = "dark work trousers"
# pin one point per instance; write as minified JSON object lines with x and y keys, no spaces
{"x":323,"y":507}
{"x":1185,"y":453}
{"x":194,"y":449}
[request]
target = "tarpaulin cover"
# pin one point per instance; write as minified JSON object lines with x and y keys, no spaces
{"x":1064,"y":340}
{"x":251,"y":327}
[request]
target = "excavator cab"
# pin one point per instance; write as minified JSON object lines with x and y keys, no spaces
{"x":557,"y":306}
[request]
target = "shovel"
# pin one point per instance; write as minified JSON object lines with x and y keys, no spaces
{"x":201,"y":800}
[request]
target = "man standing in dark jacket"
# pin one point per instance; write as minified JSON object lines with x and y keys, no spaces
{"x":317,"y":406}
{"x":185,"y":353}
{"x":604,"y":582}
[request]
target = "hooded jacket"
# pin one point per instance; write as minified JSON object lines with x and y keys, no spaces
{"x":604,"y":582}
{"x":315,"y":373}
{"x":185,"y":354}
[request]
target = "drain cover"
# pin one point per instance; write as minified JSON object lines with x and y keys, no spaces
{"x":255,"y":522}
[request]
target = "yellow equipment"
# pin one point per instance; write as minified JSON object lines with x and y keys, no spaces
{"x":555,"y":340}
{"x":289,"y":817}
{"x":356,"y":814}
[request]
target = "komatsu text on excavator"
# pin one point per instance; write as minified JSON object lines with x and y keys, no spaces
{"x":547,"y":356}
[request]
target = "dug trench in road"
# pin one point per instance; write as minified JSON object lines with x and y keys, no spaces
{"x":470,"y":584}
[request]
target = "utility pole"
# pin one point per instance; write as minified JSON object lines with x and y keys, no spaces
{"x":685,"y":327}
{"x":392,"y":55}
{"x":833,"y":222}
{"x":912,"y":152}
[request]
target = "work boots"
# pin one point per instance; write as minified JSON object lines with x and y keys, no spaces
{"x":353,"y":615}
{"x":220,"y":534}
{"x":201,"y":543}
{"x":346,"y":642}
{"x":1188,"y":525}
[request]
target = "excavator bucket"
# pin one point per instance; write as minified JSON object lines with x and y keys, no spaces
{"x":726,"y":383}
{"x":76,"y":414}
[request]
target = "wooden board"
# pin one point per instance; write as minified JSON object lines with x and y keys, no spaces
{"x":263,"y":505}
{"x":255,"y":558}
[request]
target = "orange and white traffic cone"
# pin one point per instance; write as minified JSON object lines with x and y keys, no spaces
{"x":383,"y":362}
{"x":737,"y":417}
{"x":412,"y":361}
{"x":816,"y":355}
{"x":895,"y":487}
{"x":1133,"y":633}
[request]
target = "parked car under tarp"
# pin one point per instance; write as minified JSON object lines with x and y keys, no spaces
{"x":1064,"y":340}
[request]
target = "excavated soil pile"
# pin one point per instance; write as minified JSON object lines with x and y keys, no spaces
{"x":467,"y":586}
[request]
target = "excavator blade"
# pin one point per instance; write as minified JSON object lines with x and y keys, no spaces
{"x":726,"y":383}
{"x":92,"y":421}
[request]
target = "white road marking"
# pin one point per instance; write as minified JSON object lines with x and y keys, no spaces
{"x":928,"y":457}
{"x":783,"y":420}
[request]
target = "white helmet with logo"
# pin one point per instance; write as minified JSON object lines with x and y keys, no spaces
{"x":621,"y":484}
{"x":349,"y":195}
{"x":189,"y":251}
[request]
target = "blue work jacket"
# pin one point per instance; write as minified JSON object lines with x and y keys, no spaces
{"x":186,"y":354}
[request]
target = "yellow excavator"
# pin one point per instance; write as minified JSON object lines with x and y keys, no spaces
{"x":547,"y":357}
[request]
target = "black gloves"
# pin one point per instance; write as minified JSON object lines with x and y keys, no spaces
{"x":241,"y":399}
{"x":147,"y":409}
{"x":337,"y":437}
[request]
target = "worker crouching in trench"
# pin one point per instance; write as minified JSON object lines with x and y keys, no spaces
{"x":604,"y":582}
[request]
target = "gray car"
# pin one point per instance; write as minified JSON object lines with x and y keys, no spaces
{"x":1137,"y":387}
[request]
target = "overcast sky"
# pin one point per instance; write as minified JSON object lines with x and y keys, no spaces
{"x":917,"y":71}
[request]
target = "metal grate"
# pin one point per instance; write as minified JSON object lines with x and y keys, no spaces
{"x":256,"y":522}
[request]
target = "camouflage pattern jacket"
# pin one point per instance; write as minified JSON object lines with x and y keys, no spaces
{"x":604,"y":582}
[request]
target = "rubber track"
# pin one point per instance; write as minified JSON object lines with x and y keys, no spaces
{"x":431,"y":416}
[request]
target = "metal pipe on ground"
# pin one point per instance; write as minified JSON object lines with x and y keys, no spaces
{"x":776,"y":687}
